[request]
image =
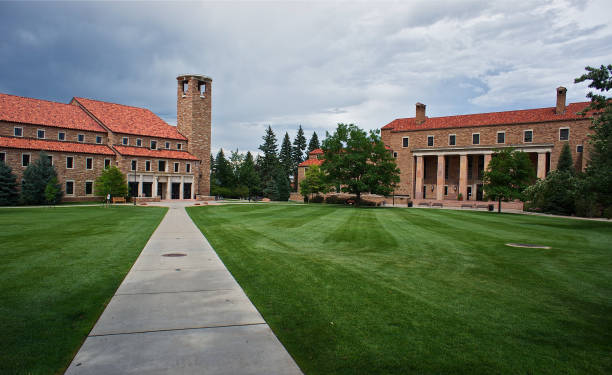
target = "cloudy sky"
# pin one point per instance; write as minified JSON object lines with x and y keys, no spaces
{"x":309,"y":63}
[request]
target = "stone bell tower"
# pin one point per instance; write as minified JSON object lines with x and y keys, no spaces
{"x":193,"y":112}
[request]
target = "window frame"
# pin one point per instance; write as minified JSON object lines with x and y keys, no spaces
{"x":29,"y":159}
{"x":147,"y":165}
{"x":445,"y":190}
{"x":138,"y":142}
{"x":168,"y":145}
{"x":87,"y":159}
{"x":81,"y":138}
{"x":581,"y":149}
{"x":525,"y":132}
{"x":66,"y":188}
{"x":179,"y":146}
{"x":61,"y":136}
{"x":134,"y":165}
{"x":44,"y":134}
{"x":187,"y":167}
{"x":109,"y":163}
{"x":3,"y":157}
{"x":165,"y":165}
{"x":72,"y":162}
{"x":99,"y":137}
{"x":177,"y":167}
{"x":497,"y":137}
{"x":151,"y":143}
{"x":433,"y":141}
{"x":20,"y":131}
{"x":454,"y":139}
{"x":125,"y":141}
{"x":407,"y":139}
{"x":568,"y":134}
{"x":477,"y":134}
{"x":92,"y":188}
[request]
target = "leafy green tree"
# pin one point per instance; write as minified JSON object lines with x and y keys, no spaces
{"x":248,"y":176}
{"x":35,"y":179}
{"x":236,"y":159}
{"x":313,"y":144}
{"x":299,"y":146}
{"x":53,"y":191}
{"x":359,"y":162}
{"x":597,"y":182}
{"x":508,"y":175}
{"x":315,"y":181}
{"x":269,"y":160}
{"x":112,"y":182}
{"x":8,"y":186}
{"x":285,"y":157}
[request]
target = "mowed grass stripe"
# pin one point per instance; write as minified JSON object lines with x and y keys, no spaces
{"x":59,"y":269}
{"x":369,"y":291}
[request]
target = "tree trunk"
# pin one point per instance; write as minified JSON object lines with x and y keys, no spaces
{"x":498,"y":205}
{"x":358,"y":200}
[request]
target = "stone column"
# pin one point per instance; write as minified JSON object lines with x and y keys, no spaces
{"x":418,"y":187}
{"x":193,"y":189}
{"x":463,"y":164}
{"x":487,"y":160}
{"x":182,"y":190}
{"x":140,"y":186}
{"x":169,"y":188}
{"x":154,"y":186}
{"x":542,"y":165}
{"x":440,"y":180}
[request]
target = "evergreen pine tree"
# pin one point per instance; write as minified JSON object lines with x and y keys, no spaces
{"x":248,"y":176}
{"x":285,"y":156}
{"x":35,"y":179}
{"x":224,"y":175}
{"x":314,"y":143}
{"x":565,"y":163}
{"x":299,"y":146}
{"x":283,"y":188}
{"x":8,"y":186}
{"x":269,"y":160}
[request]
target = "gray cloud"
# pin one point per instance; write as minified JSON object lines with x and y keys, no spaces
{"x":308,"y":63}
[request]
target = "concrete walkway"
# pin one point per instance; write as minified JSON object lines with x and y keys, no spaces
{"x":181,"y":315}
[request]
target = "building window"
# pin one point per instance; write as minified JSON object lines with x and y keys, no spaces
{"x":61,"y":136}
{"x":564,"y":134}
{"x":147,"y":165}
{"x":107,"y":163}
{"x":69,"y":187}
{"x":528,"y":136}
{"x":89,"y":163}
{"x":153,"y":145}
{"x":161,"y":165}
{"x":81,"y":138}
{"x":17,"y":131}
{"x":176,"y":167}
{"x":134,"y":165}
{"x":445,"y":189}
{"x":452,"y":139}
{"x":179,"y":146}
{"x":50,"y":158}
{"x":501,"y":137}
{"x":69,"y":162}
{"x":168,"y":145}
{"x":138,"y":142}
{"x":188,"y":167}
{"x":430,"y":140}
{"x":125,"y":141}
{"x":88,"y":187}
{"x":579,"y":148}
{"x":3,"y":157}
{"x":395,"y":154}
{"x":405,"y":142}
{"x":40,"y":134}
{"x":98,"y":139}
{"x":25,"y":160}
{"x":475,"y":138}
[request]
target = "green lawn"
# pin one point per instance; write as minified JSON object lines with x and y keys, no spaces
{"x":395,"y":291}
{"x":59,"y":268}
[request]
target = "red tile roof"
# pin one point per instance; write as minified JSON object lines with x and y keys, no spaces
{"x":310,"y":162}
{"x":160,"y":154}
{"x":130,"y":120}
{"x":316,"y":151}
{"x":494,"y":118}
{"x":43,"y":112}
{"x":45,"y":145}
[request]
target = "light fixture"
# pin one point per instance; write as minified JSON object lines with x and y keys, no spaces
{"x":432,"y":187}
{"x":455,"y":186}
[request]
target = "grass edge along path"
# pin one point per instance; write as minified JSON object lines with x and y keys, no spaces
{"x":394,"y":291}
{"x":60,"y":268}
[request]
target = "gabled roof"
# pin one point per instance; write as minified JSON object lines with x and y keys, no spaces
{"x":58,"y":146}
{"x":125,"y":119}
{"x":43,"y":112}
{"x":159,"y":154}
{"x":316,"y":151}
{"x":309,"y":162}
{"x":494,"y":118}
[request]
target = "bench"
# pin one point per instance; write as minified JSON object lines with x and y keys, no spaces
{"x":486,"y":206}
{"x":467,"y":206}
{"x":437,"y":205}
{"x":118,"y":199}
{"x":424,"y":204}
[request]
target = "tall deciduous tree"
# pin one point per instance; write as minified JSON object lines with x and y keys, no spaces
{"x":112,"y":182}
{"x":269,"y":160}
{"x":315,"y":181}
{"x":35,"y":179}
{"x":508,"y":175}
{"x":53,"y":191}
{"x":314,"y":143}
{"x":8,"y":186}
{"x":598,"y":179}
{"x":359,"y":162}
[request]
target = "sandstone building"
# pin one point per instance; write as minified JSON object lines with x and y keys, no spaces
{"x":442,"y":157}
{"x":85,"y":136}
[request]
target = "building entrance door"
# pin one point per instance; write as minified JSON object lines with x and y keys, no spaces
{"x":176,"y":190}
{"x":187,"y":190}
{"x":469,"y":192}
{"x":479,"y":195}
{"x":161,"y":190}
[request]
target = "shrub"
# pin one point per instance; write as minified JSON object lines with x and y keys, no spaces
{"x":8,"y":186}
{"x":334,"y":199}
{"x":316,"y":199}
{"x":35,"y":179}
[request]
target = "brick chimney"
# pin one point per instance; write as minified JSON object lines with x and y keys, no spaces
{"x":561,"y":91}
{"x":420,"y":113}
